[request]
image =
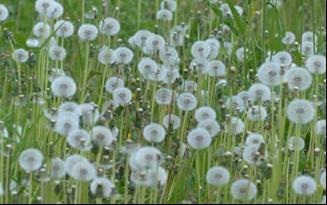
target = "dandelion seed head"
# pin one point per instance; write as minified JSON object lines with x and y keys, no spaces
{"x":103,"y":186}
{"x":30,"y":160}
{"x":79,"y":139}
{"x":217,"y":176}
{"x":321,"y":127}
{"x":122,"y":95}
{"x":89,"y":113}
{"x":300,"y":111}
{"x":254,"y":139}
{"x":63,"y":86}
{"x":298,"y":78}
{"x":199,"y":138}
{"x":172,"y":120}
{"x":109,"y":26}
{"x":20,"y":55}
{"x":250,"y":155}
{"x":295,"y":143}
{"x":72,"y":160}
{"x":66,"y":122}
{"x":57,"y":168}
{"x":83,"y":171}
{"x":216,"y":69}
{"x":270,"y":74}
{"x":186,"y":102}
{"x":205,"y":113}
{"x":113,"y":83}
{"x":289,"y":38}
{"x":87,"y":32}
{"x":307,"y":48}
{"x":168,"y":4}
{"x":154,"y":133}
{"x":57,"y":53}
{"x":164,"y":96}
{"x":164,"y":15}
{"x":201,"y":65}
{"x":236,"y":125}
{"x":102,"y":136}
{"x":235,"y":103}
{"x":64,"y":29}
{"x":189,"y":86}
{"x":200,"y":49}
{"x":148,"y":68}
{"x":154,"y":43}
{"x":257,"y":113}
{"x":106,"y":56}
{"x":123,"y":55}
{"x":4,"y":13}
{"x":283,"y":58}
{"x":304,"y":185}
{"x":259,"y":93}
{"x":243,"y":190}
{"x":146,"y":158}
{"x":316,"y":64}
{"x":214,"y":47}
{"x":42,"y":30}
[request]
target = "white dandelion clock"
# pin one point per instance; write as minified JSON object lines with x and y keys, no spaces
{"x":106,"y":56}
{"x":164,"y":15}
{"x":57,"y":10}
{"x":254,"y":139}
{"x":172,"y":121}
{"x":321,"y":127}
{"x":33,"y":43}
{"x":186,"y":102}
{"x":3,"y":13}
{"x":42,"y":30}
{"x":122,"y":95}
{"x":155,"y":43}
{"x":63,"y":86}
{"x":201,"y":65}
{"x":298,"y":78}
{"x":252,"y":156}
{"x":200,"y":49}
{"x":257,"y":113}
{"x":235,"y":103}
{"x":304,"y":185}
{"x":57,"y":53}
{"x":159,"y":176}
{"x":323,"y":180}
{"x":214,"y":47}
{"x":123,"y":55}
{"x":72,"y":160}
{"x":101,"y":186}
{"x":57,"y":168}
{"x":270,"y":74}
{"x":283,"y":58}
{"x":20,"y":55}
{"x":316,"y":64}
{"x":154,"y":133}
{"x":89,"y":113}
{"x":244,"y":95}
{"x":113,"y":83}
{"x":148,"y":158}
{"x":164,"y":96}
{"x":87,"y":32}
{"x":83,"y":171}
{"x":30,"y":160}
{"x":259,"y":93}
{"x":66,"y":122}
{"x":44,"y":7}
{"x":102,"y":136}
{"x":216,"y":69}
{"x":244,"y":190}
{"x":168,"y":4}
{"x":295,"y":143}
{"x":236,"y":126}
{"x":289,"y":38}
{"x":300,"y":111}
{"x":169,"y":55}
{"x":79,"y":139}
{"x":309,"y":36}
{"x":64,"y":29}
{"x":148,"y":68}
{"x":205,"y":113}
{"x":189,"y":86}
{"x":109,"y":26}
{"x":199,"y":138}
{"x":307,"y":48}
{"x":212,"y":126}
{"x":225,"y":9}
{"x":141,"y":37}
{"x":217,"y":176}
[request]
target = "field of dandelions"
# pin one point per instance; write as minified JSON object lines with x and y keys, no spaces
{"x":162,"y":101}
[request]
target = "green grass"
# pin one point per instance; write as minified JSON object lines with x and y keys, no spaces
{"x":260,"y":30}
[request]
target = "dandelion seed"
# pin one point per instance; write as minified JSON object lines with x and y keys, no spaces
{"x":304,"y":185}
{"x":87,"y":32}
{"x":200,"y":49}
{"x":169,"y":55}
{"x":298,"y":78}
{"x":289,"y":38}
{"x":171,"y":120}
{"x":300,"y":111}
{"x":244,"y":190}
{"x":72,"y":160}
{"x":186,"y":102}
{"x":20,"y":55}
{"x":211,"y":126}
{"x":154,"y":133}
{"x":122,"y":95}
{"x":142,"y":178}
{"x":296,"y":143}
{"x":205,"y":113}
{"x":147,"y":158}
{"x":308,"y":36}
{"x":42,"y":30}
{"x":164,"y":96}
{"x":102,"y":186}
{"x":123,"y":55}
{"x":57,"y":168}
{"x":113,"y":83}
{"x":154,"y":43}
{"x":259,"y":93}
{"x":257,"y":113}
{"x":270,"y":74}
{"x":56,"y":11}
{"x":164,"y":15}
{"x":83,"y":171}
{"x":201,"y":65}
{"x":316,"y":64}
{"x":102,"y":136}
{"x":225,"y":9}
{"x":30,"y":160}
{"x":64,"y":29}
{"x":33,"y":43}
{"x":63,"y":86}
{"x":217,"y":176}
{"x":109,"y":26}
{"x":214,"y":47}
{"x":283,"y":58}
{"x":199,"y":138}
{"x":148,"y":68}
{"x":141,"y":37}
{"x":307,"y":48}
{"x":44,"y":7}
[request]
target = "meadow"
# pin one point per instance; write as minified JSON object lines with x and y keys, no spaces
{"x":162,"y":101}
